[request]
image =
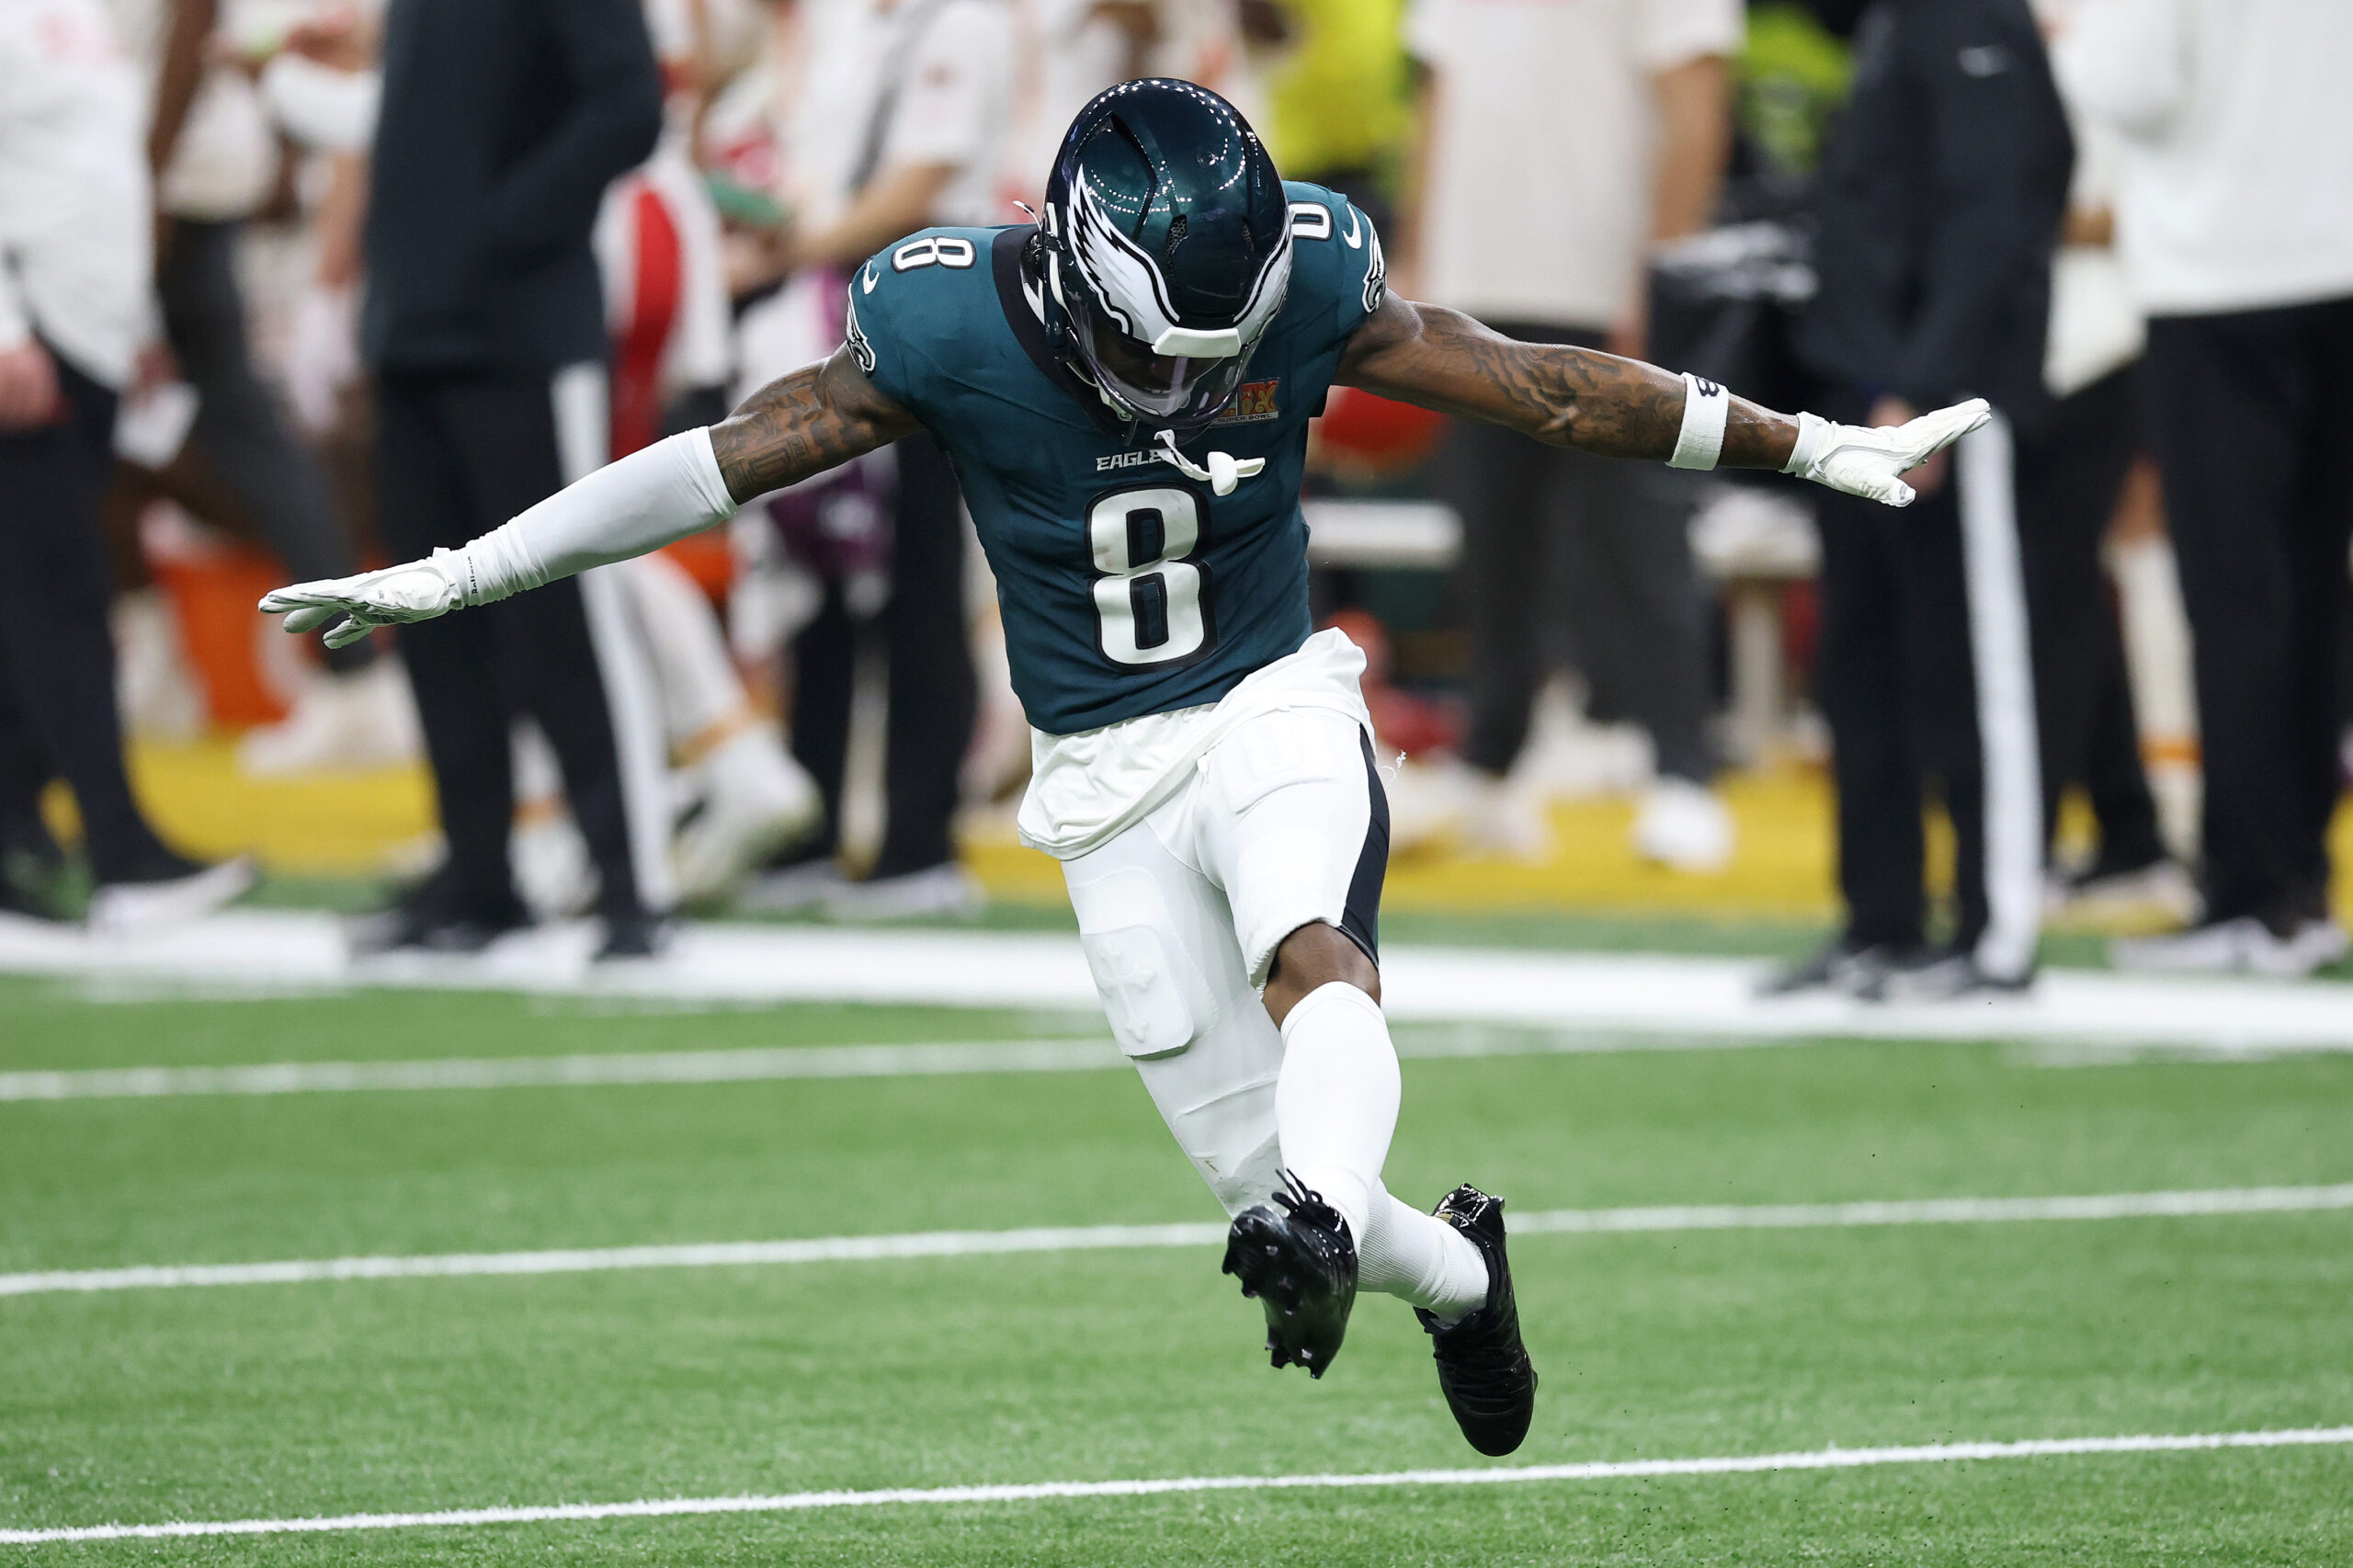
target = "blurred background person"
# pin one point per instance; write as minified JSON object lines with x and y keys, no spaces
{"x":1340,"y":110}
{"x":2235,"y":222}
{"x":1068,"y":51}
{"x":659,"y":248}
{"x":2071,"y":481}
{"x":501,"y":123}
{"x":74,"y":271}
{"x":1942,"y":190}
{"x":1560,"y":144}
{"x":213,"y":152}
{"x":894,"y":123}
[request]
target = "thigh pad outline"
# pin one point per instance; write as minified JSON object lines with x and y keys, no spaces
{"x":1153,"y":991}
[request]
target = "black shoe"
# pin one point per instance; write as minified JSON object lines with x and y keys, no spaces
{"x":32,"y":869}
{"x":1839,"y":964}
{"x":633,"y":934}
{"x":1301,"y":1266}
{"x":432,"y":918}
{"x":32,"y":872}
{"x":1482,"y":1368}
{"x":1941,"y":974}
{"x":31,"y":902}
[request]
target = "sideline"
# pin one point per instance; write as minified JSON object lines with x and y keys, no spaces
{"x":258,"y":952}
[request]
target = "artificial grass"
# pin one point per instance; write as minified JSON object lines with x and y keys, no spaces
{"x":297,"y":1400}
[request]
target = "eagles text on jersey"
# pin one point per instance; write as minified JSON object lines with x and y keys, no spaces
{"x":1127,"y":588}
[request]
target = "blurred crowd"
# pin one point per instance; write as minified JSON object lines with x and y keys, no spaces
{"x":308,"y":284}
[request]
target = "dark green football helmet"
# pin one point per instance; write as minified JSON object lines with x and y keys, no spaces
{"x":1165,"y":251}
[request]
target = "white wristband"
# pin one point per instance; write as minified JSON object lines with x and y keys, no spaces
{"x":1812,"y":429}
{"x":1705,"y":409}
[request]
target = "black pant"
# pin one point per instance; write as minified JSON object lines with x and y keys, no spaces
{"x":1896,"y":683}
{"x":2070,"y":472}
{"x":239,"y":432}
{"x":457,"y":455}
{"x":1567,"y":542}
{"x":56,"y":653}
{"x":931,"y":699}
{"x":2249,"y":414}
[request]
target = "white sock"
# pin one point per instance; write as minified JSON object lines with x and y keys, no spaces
{"x":1419,"y":1257}
{"x":1335,"y":1100}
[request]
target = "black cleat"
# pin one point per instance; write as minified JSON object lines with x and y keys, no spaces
{"x":633,"y":934}
{"x":1482,"y":1368}
{"x":434,"y":917}
{"x":1301,"y":1266}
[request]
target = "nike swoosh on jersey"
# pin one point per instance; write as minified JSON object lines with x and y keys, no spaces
{"x":871,"y":277}
{"x":1354,"y":238}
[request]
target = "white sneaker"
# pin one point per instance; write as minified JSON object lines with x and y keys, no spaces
{"x":142,"y":909}
{"x":155,"y":682}
{"x":2162,"y":886}
{"x":757,"y":801}
{"x":1684,"y":826}
{"x":1425,"y":802}
{"x":939,"y":890}
{"x":554,"y":874}
{"x":2244,"y":946}
{"x":1485,"y":815}
{"x":364,"y":720}
{"x":1567,"y":757}
{"x":791,"y":889}
{"x":2323,"y":941}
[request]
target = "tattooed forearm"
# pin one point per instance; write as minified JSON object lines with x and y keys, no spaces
{"x":1568,"y":397}
{"x":804,"y":423}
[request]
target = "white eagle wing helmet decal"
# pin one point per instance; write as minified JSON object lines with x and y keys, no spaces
{"x":1131,"y":286}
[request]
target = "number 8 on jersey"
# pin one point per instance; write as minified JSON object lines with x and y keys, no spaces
{"x":1148,"y":598}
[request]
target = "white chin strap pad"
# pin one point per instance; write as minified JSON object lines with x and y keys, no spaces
{"x":1184,"y":343}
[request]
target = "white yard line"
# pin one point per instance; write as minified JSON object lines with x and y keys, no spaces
{"x":1098,"y":1238}
{"x":745,"y":1065}
{"x":1057,"y":1490}
{"x":929,"y":1060}
{"x":749,"y":1064}
{"x":260,"y":951}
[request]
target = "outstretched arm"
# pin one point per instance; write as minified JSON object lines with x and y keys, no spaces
{"x":786,"y":432}
{"x":803,"y":423}
{"x":1623,"y":408}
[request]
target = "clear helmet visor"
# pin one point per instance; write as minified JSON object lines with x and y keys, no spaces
{"x":1158,"y":386}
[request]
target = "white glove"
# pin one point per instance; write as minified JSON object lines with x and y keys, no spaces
{"x":396,"y":596}
{"x":648,"y":499}
{"x":1865,"y":461}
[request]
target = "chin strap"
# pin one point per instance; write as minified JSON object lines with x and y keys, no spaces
{"x":1225,"y":469}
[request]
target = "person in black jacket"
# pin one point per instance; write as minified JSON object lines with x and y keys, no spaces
{"x":1942,"y":190}
{"x":503,"y":122}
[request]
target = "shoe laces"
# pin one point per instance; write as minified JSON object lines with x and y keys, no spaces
{"x":1307,"y":1207}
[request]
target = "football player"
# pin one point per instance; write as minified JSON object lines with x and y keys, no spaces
{"x":1125,"y":386}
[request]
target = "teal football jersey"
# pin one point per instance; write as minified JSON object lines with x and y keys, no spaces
{"x":1127,"y":588}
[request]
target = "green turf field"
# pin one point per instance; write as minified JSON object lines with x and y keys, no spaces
{"x":400,"y":1395}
